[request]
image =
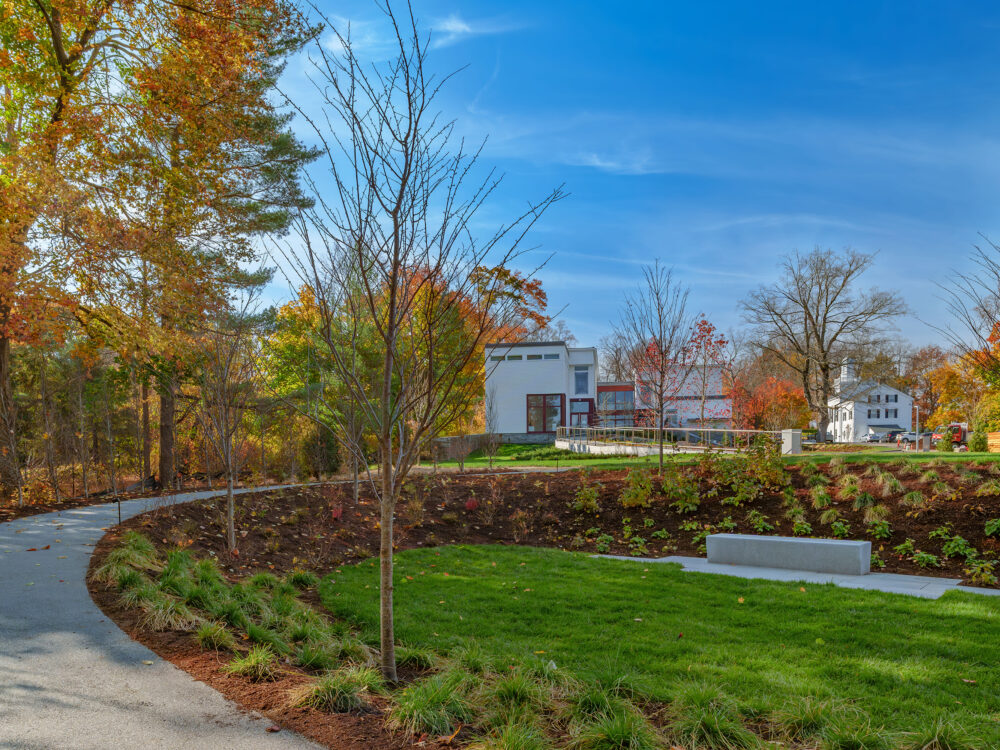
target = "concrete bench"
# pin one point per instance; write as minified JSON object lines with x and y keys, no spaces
{"x":842,"y":556}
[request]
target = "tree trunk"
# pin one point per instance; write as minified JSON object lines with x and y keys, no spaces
{"x":355,"y":475}
{"x":82,"y":438}
{"x":10,"y":468}
{"x":386,"y":624}
{"x":50,"y":459}
{"x":147,"y":441}
{"x":230,"y":512}
{"x":168,"y":406}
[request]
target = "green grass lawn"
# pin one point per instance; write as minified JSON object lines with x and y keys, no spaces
{"x":512,"y":456}
{"x":902,"y":660}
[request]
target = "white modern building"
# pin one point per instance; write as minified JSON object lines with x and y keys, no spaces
{"x":535,"y":387}
{"x":864,"y":409}
{"x":688,"y":388}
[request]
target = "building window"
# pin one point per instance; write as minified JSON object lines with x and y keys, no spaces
{"x":514,"y":357}
{"x":551,"y":356}
{"x":545,"y":412}
{"x":496,"y":358}
{"x":579,"y":412}
{"x":878,"y":414}
{"x":581,"y":374}
{"x":869,"y":413}
{"x":534,"y":356}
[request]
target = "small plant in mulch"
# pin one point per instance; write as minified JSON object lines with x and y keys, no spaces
{"x":342,"y":690}
{"x":212,"y":635}
{"x":981,"y":572}
{"x":259,"y":664}
{"x":587,"y":497}
{"x":877,"y":561}
{"x":925,"y":560}
{"x":638,"y":489}
{"x":840,"y":529}
{"x":992,"y":527}
{"x":880,"y":530}
{"x":802,"y":528}
{"x":759,"y":522}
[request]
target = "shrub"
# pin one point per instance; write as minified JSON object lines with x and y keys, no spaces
{"x":759,"y":522}
{"x":341,"y":691}
{"x":992,"y":527}
{"x":945,"y":445}
{"x":877,"y":561}
{"x":212,"y":635}
{"x":586,"y":499}
{"x":981,"y":571}
{"x":941,"y":532}
{"x":958,"y":547}
{"x":638,"y":489}
{"x":840,"y":529}
{"x":925,"y":560}
{"x":258,"y":665}
{"x":978,"y":442}
{"x":880,"y":530}
{"x":907,"y":547}
{"x":604,"y":542}
{"x":434,"y":704}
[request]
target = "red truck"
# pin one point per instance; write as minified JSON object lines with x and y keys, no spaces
{"x":957,"y":433}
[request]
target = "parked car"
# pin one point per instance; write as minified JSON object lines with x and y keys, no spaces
{"x":889,"y":437}
{"x":911,"y":437}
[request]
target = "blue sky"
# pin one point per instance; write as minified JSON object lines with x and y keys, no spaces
{"x":718,"y":136}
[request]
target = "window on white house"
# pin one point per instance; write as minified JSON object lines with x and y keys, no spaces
{"x":514,"y":357}
{"x":551,"y":356}
{"x":534,"y":356}
{"x":869,"y":413}
{"x":581,"y":374}
{"x":496,"y":358}
{"x":544,"y":412}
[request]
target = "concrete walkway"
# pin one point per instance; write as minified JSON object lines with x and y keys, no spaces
{"x":70,"y":679}
{"x":927,"y":587}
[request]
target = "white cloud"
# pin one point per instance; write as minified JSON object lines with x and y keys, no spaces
{"x":453,"y":29}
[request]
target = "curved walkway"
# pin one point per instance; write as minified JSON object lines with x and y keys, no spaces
{"x":70,"y":678}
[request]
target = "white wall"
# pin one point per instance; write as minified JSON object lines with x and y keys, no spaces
{"x":510,"y":381}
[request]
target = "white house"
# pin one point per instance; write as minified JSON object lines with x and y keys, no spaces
{"x":687,"y":388}
{"x":865,"y":408}
{"x":535,"y":387}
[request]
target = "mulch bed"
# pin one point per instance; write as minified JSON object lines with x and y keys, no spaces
{"x":321,"y":528}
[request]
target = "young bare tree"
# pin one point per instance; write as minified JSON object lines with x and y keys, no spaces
{"x":814,"y":318}
{"x":391,"y":254}
{"x":491,"y":423}
{"x":228,"y":391}
{"x":973,"y":299}
{"x":654,"y":329}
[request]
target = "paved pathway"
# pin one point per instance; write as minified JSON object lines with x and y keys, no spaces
{"x":927,"y":587}
{"x":70,"y":679}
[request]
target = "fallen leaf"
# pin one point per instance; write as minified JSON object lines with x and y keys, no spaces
{"x":273,"y":728}
{"x":32,"y":549}
{"x":47,"y":546}
{"x":740,"y":600}
{"x":147,"y":662}
{"x":680,"y":635}
{"x":971,"y":682}
{"x":637,"y":619}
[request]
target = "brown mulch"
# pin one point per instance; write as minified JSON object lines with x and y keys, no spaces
{"x":320,"y":528}
{"x":353,"y":731}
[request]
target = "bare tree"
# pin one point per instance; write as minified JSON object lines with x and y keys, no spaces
{"x":228,"y":391}
{"x":654,"y":328}
{"x":814,"y":318}
{"x":491,"y":423}
{"x":554,"y":330}
{"x":395,"y":264}
{"x":615,"y":358}
{"x":973,"y":299}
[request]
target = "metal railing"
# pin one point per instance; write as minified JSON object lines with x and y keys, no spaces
{"x":674,"y":438}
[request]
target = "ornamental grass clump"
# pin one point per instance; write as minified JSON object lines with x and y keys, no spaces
{"x":213,"y":635}
{"x":435,"y":704}
{"x":702,"y":716}
{"x":340,"y":691}
{"x":259,"y":664}
{"x":621,"y":728}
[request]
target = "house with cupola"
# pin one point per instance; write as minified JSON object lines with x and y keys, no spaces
{"x":863,"y":410}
